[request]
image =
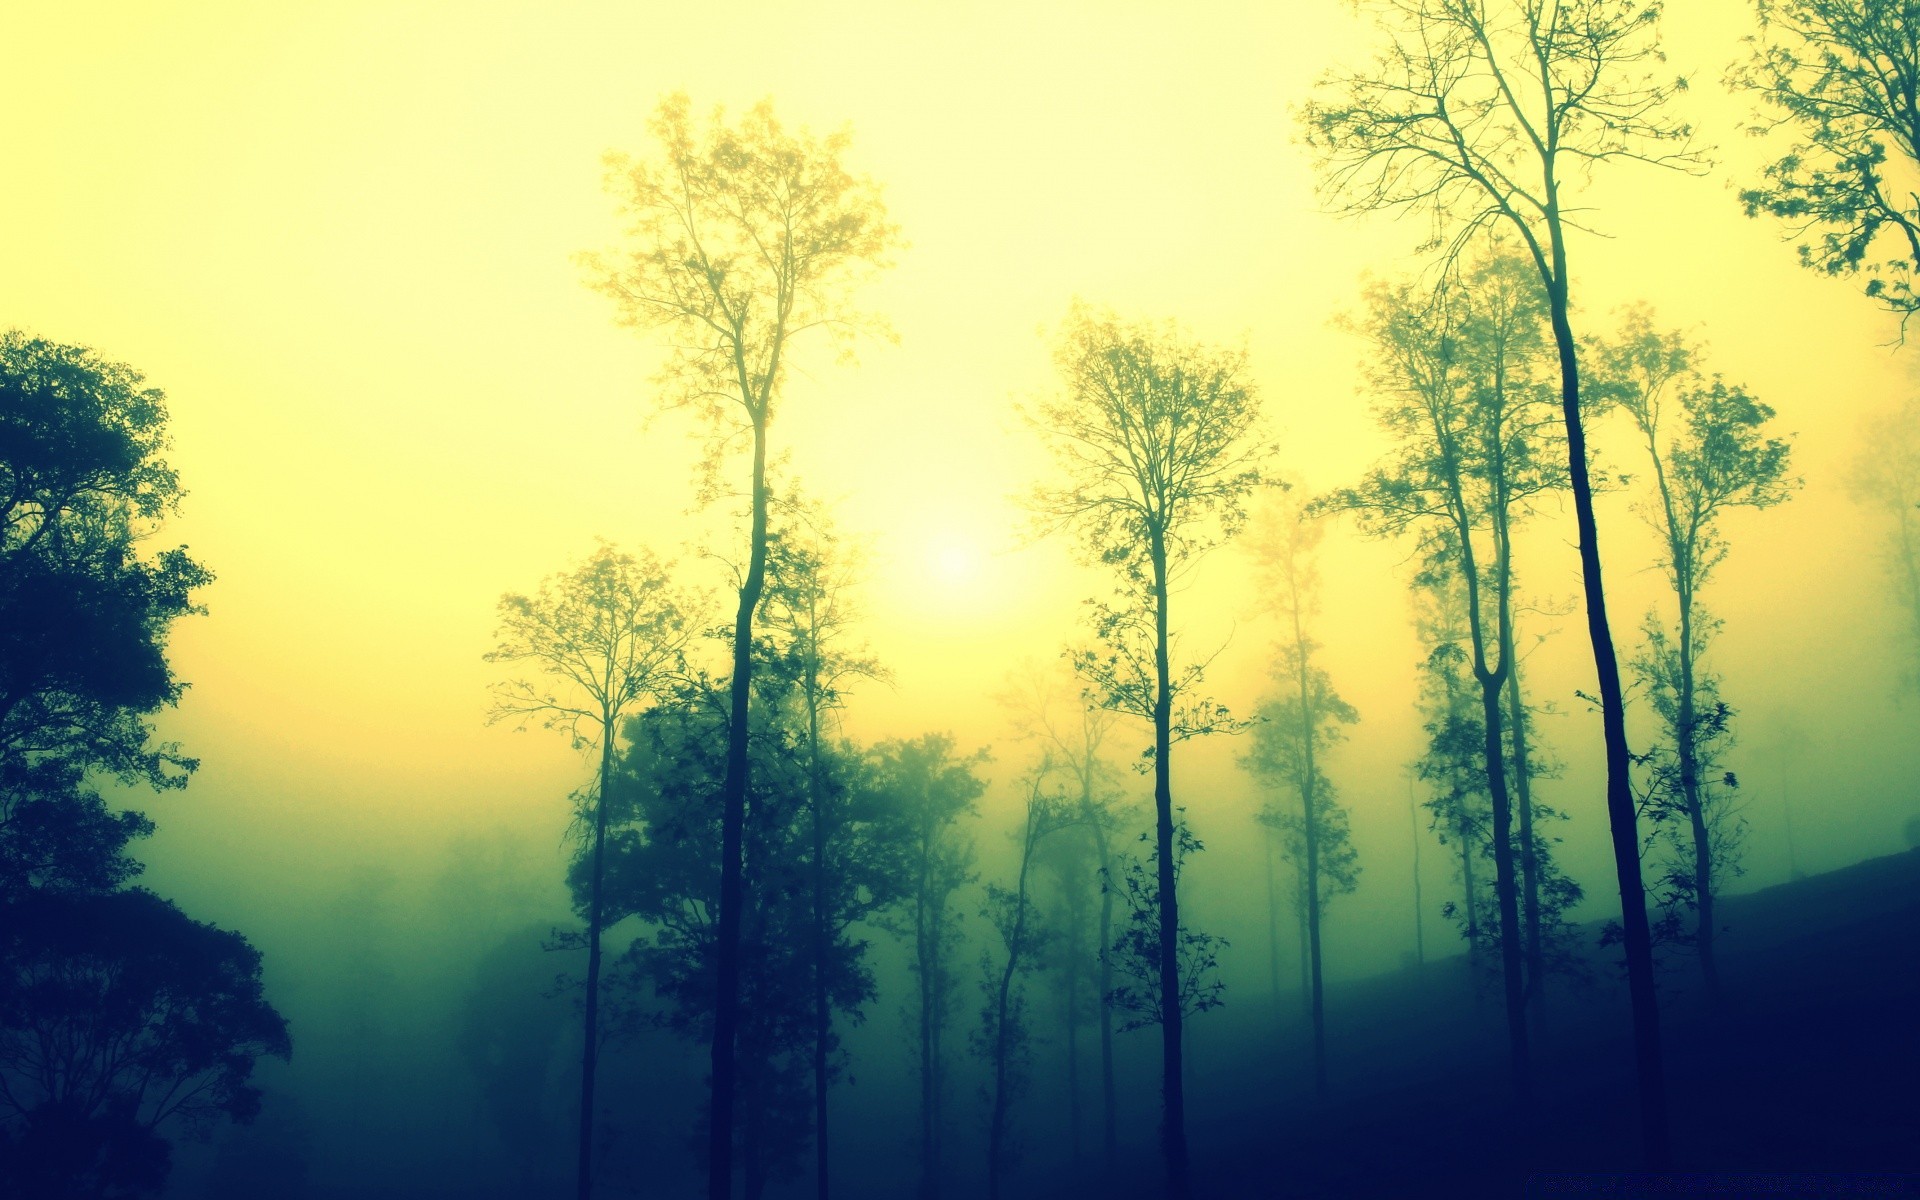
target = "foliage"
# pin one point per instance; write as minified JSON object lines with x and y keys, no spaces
{"x":1295,"y":728}
{"x":603,"y":636}
{"x":84,"y":616}
{"x":740,"y":237}
{"x":1670,"y":772}
{"x":1136,"y":951}
{"x":118,"y":1013}
{"x":1843,"y":75}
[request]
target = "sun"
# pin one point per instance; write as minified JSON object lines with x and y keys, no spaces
{"x":954,"y":561}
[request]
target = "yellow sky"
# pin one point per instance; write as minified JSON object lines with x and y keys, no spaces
{"x":341,"y":237}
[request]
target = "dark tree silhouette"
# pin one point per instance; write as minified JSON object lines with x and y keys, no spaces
{"x":1842,"y":75}
{"x":1157,"y":438}
{"x":605,"y":636}
{"x":1709,"y":451}
{"x":1475,"y":114}
{"x":119,"y":1015}
{"x":84,"y":616}
{"x":743,"y":238}
{"x":1292,"y":733}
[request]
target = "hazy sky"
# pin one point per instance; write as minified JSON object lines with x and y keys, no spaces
{"x":342,"y":238}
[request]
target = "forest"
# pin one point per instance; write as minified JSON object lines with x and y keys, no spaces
{"x":1114,"y":599}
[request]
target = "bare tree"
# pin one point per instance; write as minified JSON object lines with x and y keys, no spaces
{"x":1475,"y":114}
{"x":604,"y":637}
{"x":1843,"y":74}
{"x":1156,"y":436}
{"x":743,"y":237}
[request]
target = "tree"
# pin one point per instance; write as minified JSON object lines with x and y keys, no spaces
{"x":1453,"y":764}
{"x":743,"y":238}
{"x":1716,"y":456}
{"x":1843,"y":74}
{"x":119,"y":1016}
{"x":1887,"y":476}
{"x":1004,"y":1038}
{"x":1074,"y":744}
{"x":604,"y":636}
{"x":84,"y":616}
{"x":808,"y":609}
{"x":931,"y":789}
{"x":1462,"y":391}
{"x":1472,"y":115}
{"x":1157,"y":437}
{"x":1293,"y":731}
{"x":1137,"y":949}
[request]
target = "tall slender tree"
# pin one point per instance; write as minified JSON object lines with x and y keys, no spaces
{"x":932,"y":789}
{"x":1475,"y":114}
{"x":809,"y":609}
{"x":604,"y":637}
{"x":1005,"y":1037}
{"x":1157,"y":438}
{"x":1462,"y":392}
{"x":1073,"y":734}
{"x":743,"y":238}
{"x":1709,"y":451}
{"x":1291,"y":737}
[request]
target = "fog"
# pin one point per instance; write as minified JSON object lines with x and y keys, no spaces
{"x":345,"y":241}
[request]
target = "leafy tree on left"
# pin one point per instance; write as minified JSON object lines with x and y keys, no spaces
{"x":118,"y":1013}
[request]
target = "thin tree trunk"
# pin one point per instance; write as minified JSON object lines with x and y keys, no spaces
{"x":927,"y":955}
{"x":822,"y":1012}
{"x":590,"y":1049}
{"x":1075,"y":967}
{"x":1419,"y":909}
{"x":1529,"y":850}
{"x":733,"y":809}
{"x":1273,"y":922}
{"x":1310,"y":826}
{"x":997,"y":1124}
{"x":1621,"y":818}
{"x":1173,"y":1131}
{"x":1109,"y":1099}
{"x":1688,"y":745}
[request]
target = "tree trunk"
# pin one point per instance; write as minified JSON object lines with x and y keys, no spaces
{"x":1173,"y":1129}
{"x":1529,"y":850}
{"x":1273,"y":922}
{"x":1310,"y":827}
{"x":822,"y":1013}
{"x":1419,"y":921}
{"x":997,"y":1123}
{"x":1109,"y":1099}
{"x":590,"y":1049}
{"x":733,"y":816}
{"x":1075,"y":967}
{"x":1687,"y":743}
{"x":927,"y":955}
{"x":1621,"y":818}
